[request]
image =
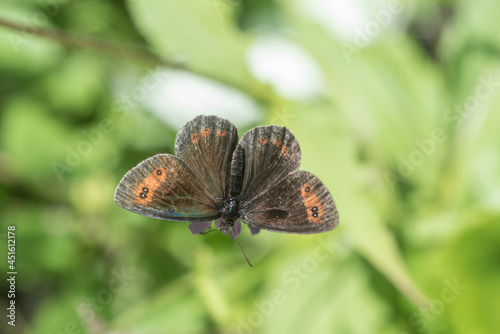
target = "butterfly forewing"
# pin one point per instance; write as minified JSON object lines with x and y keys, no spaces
{"x":300,"y":203}
{"x":206,"y":145}
{"x":163,"y":187}
{"x":271,"y":153}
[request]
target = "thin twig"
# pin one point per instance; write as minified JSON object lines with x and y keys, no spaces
{"x":127,"y":52}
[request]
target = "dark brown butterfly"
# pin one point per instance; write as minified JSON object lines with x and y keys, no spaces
{"x":212,"y":177}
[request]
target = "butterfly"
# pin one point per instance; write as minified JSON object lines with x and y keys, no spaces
{"x":212,"y":177}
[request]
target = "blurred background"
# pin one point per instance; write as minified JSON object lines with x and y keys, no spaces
{"x":395,"y":104}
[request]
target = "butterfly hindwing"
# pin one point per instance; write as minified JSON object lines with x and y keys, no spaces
{"x":300,"y":203}
{"x":163,"y":187}
{"x":206,"y":145}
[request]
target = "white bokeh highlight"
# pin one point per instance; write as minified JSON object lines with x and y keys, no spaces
{"x":181,"y":96}
{"x":286,"y":66}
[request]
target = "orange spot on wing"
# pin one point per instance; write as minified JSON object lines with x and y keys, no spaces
{"x":221,"y":132}
{"x":205,"y":132}
{"x":145,"y":190}
{"x":160,"y":174}
{"x":263,"y":140}
{"x":195,"y":138}
{"x":311,"y":201}
{"x":277,"y":143}
{"x":284,"y":150}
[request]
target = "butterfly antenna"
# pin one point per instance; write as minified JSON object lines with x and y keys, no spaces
{"x":236,"y":239}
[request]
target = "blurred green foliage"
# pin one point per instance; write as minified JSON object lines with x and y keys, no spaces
{"x":404,"y":133}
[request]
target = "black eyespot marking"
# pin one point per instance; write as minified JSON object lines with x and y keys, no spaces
{"x":221,"y":132}
{"x":308,"y":189}
{"x":315,"y":214}
{"x":284,"y":150}
{"x":144,"y":192}
{"x":158,"y":172}
{"x":314,"y":209}
{"x":263,"y":140}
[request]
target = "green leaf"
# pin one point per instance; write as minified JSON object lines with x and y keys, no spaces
{"x":199,"y":34}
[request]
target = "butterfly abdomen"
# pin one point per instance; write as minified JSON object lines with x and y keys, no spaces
{"x":237,"y":171}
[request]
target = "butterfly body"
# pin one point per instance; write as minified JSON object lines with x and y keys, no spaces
{"x":213,"y":177}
